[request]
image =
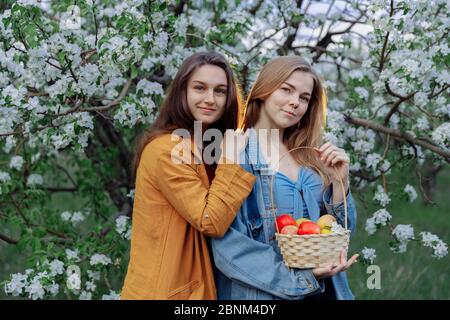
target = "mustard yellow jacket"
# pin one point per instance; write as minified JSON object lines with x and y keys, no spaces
{"x":175,"y":207}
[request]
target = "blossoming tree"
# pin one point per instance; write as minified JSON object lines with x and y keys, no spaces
{"x":79,"y":82}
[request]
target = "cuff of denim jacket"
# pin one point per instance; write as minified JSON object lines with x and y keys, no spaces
{"x":322,"y":286}
{"x":336,"y":209}
{"x":308,"y":283}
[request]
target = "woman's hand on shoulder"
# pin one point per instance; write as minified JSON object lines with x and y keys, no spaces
{"x":233,"y":143}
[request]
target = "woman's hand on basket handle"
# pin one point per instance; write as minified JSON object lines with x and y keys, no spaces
{"x":335,"y":161}
{"x":331,"y":270}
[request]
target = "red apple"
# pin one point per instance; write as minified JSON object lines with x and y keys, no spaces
{"x":289,"y":230}
{"x":308,"y":227}
{"x":285,"y":220}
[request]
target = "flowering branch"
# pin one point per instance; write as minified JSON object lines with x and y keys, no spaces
{"x":396,"y":134}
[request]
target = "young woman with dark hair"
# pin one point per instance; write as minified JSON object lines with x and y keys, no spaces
{"x":178,"y":204}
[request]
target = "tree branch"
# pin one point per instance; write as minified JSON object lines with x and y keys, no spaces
{"x":395,"y":107}
{"x":122,"y":95}
{"x":8,"y":239}
{"x":396,"y":134}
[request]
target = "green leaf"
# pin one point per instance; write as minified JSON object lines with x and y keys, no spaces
{"x":22,"y":243}
{"x":36,"y":244}
{"x":134,"y":71}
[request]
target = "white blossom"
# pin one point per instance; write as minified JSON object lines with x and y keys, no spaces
{"x":56,"y":267}
{"x":380,"y":217}
{"x":74,"y":217}
{"x":403,"y":233}
{"x":149,"y":87}
{"x":332,"y":138}
{"x":90,"y":285}
{"x":17,"y":284}
{"x":444,"y":77}
{"x":4,"y":177}
{"x":35,"y":180}
{"x":94,"y":275}
{"x":127,"y":114}
{"x":412,"y":194}
{"x":123,"y":226}
{"x":440,"y":248}
{"x":111,"y":296}
{"x":362,"y":93}
{"x":442,"y":134}
{"x":337,"y":228}
{"x":429,"y":239}
{"x":74,"y":281}
{"x":386,"y":167}
{"x":77,"y":217}
{"x":60,"y":141}
{"x":66,"y":215}
{"x":371,"y":226}
{"x":99,"y":259}
{"x":421,"y":98}
{"x":129,"y":195}
{"x":53,"y":288}
{"x":336,"y":104}
{"x":356,"y":74}
{"x":35,"y":289}
{"x":10,"y":142}
{"x":84,"y":119}
{"x":85,"y":295}
{"x":72,"y":255}
{"x":335,"y":121}
{"x":372,"y":160}
{"x":16,"y":162}
{"x":381,"y":196}
{"x":422,"y":124}
{"x":368,"y":254}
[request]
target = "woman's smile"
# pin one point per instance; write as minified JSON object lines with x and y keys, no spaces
{"x":290,"y":114}
{"x":207,"y":110}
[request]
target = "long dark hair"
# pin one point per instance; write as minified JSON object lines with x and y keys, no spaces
{"x":175,"y":113}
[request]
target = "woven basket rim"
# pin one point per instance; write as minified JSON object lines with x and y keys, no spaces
{"x":345,"y":232}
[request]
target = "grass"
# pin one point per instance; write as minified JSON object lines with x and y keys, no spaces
{"x":414,"y":274}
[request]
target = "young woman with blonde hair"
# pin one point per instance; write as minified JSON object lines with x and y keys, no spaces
{"x":286,"y":108}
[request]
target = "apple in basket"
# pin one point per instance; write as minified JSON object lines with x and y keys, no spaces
{"x":285,"y":220}
{"x":325,"y":223}
{"x":299,"y":221}
{"x":292,"y":230}
{"x":308,"y":227}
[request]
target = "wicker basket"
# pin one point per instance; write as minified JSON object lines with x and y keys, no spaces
{"x":311,"y":251}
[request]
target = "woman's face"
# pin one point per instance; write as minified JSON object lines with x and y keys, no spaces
{"x":288,"y":103}
{"x":207,"y":93}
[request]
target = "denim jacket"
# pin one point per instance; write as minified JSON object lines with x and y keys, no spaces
{"x":248,"y":259}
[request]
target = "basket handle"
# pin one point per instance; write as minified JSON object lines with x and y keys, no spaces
{"x":271,"y":189}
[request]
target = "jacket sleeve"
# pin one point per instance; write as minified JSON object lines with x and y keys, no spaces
{"x":211,"y":211}
{"x":337,"y":210}
{"x":256,"y":264}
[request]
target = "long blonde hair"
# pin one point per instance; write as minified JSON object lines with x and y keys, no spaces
{"x":310,"y":132}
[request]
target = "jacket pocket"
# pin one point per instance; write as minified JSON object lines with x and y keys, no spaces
{"x":257,"y":229}
{"x":183,"y":292}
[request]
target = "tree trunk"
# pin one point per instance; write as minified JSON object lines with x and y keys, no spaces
{"x":430,"y":172}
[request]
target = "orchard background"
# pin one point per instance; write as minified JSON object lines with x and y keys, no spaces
{"x":79,"y":80}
